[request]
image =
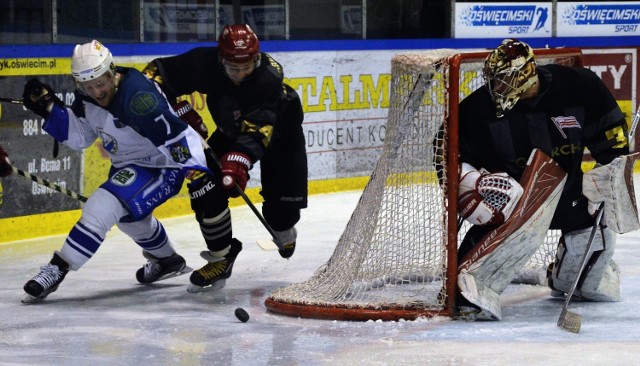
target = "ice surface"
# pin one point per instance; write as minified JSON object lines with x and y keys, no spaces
{"x":101,"y":316}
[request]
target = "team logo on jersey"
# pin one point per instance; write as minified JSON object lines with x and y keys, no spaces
{"x":180,"y":151}
{"x":124,"y":177}
{"x":565,"y":122}
{"x":143,"y":103}
{"x":109,"y":142}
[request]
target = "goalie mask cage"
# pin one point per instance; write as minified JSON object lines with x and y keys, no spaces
{"x":396,"y":258}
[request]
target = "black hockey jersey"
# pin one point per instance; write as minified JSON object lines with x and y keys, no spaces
{"x":573,"y":111}
{"x":254,"y":102}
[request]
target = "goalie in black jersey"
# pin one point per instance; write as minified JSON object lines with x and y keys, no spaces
{"x":560,"y":111}
{"x":257,"y":118}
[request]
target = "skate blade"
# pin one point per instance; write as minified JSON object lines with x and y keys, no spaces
{"x":267,"y":245}
{"x":184,"y":270}
{"x":194,"y":289}
{"x":28,"y":299}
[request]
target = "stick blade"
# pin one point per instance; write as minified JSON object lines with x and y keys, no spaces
{"x":267,"y":245}
{"x":570,"y":321}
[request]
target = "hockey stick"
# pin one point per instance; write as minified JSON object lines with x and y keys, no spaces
{"x":265,"y":245}
{"x":49,"y":184}
{"x":10,"y":100}
{"x":634,"y":124}
{"x":569,"y":320}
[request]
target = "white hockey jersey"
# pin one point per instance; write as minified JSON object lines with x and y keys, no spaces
{"x":139,"y":127}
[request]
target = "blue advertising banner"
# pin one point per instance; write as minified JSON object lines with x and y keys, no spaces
{"x":598,"y":19}
{"x":494,"y":20}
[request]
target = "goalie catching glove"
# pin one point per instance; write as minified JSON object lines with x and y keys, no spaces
{"x":39,"y":98}
{"x":235,"y":168}
{"x":5,"y":164}
{"x":486,"y":198}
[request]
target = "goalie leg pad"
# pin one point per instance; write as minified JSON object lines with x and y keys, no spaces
{"x":600,"y":279}
{"x":488,"y":268}
{"x":613,"y":184}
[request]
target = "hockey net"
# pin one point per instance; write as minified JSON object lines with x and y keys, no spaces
{"x":396,"y":258}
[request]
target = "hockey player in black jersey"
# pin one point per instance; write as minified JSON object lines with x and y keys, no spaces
{"x":257,"y":118}
{"x":561,"y":111}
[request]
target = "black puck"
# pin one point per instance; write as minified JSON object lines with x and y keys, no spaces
{"x":242,"y":315}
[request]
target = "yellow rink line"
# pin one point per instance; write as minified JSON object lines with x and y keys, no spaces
{"x":56,"y":223}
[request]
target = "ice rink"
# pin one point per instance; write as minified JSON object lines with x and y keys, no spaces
{"x":100,"y":315}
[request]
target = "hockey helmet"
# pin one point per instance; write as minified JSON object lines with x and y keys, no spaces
{"x":90,"y":61}
{"x":238,"y":43}
{"x":509,"y":71}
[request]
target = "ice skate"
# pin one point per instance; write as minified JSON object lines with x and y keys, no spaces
{"x":287,"y":240}
{"x":47,"y":281}
{"x":158,"y":269}
{"x":214,"y":274}
{"x":287,"y":250}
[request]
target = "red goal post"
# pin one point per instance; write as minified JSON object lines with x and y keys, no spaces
{"x":396,"y":258}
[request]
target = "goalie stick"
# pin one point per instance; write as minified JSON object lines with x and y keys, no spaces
{"x":49,"y":184}
{"x":570,"y":320}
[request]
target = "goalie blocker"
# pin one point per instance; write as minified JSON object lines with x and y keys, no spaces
{"x":488,"y":268}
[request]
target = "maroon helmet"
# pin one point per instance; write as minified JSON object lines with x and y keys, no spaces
{"x":238,"y":43}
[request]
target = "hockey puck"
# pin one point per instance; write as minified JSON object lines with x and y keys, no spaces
{"x":242,"y":315}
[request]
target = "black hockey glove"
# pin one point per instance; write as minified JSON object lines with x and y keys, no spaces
{"x":38,"y":97}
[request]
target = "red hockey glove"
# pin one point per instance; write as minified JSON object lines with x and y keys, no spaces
{"x":38,"y":97}
{"x":235,"y":170}
{"x":186,"y":113}
{"x":5,"y":164}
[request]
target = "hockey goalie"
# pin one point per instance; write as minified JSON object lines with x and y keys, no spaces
{"x":557,"y":112}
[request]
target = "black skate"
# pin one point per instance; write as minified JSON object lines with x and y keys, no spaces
{"x":287,"y":238}
{"x":47,"y":281}
{"x":158,"y":269}
{"x":287,"y":250}
{"x":215,"y":273}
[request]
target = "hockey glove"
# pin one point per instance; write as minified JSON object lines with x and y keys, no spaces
{"x":186,"y":113}
{"x":487,"y":199}
{"x":39,"y":98}
{"x":235,"y":168}
{"x":5,"y":164}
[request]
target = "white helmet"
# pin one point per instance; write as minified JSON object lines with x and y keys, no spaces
{"x":90,"y":60}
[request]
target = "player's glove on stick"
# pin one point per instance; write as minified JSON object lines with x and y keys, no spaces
{"x":5,"y":164}
{"x":486,"y":199}
{"x":39,"y":98}
{"x":185,"y":111}
{"x":235,"y":168}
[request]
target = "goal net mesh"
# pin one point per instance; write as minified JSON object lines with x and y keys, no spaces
{"x":393,"y":259}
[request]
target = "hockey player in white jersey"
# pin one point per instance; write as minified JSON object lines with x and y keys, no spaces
{"x":151,"y":150}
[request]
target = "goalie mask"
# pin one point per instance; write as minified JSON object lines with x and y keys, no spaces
{"x":508,"y":72}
